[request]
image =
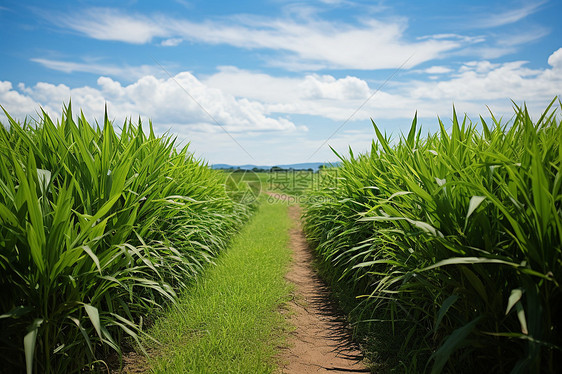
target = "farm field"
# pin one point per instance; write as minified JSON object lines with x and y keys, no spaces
{"x":452,"y":245}
{"x":444,"y":252}
{"x":100,"y":229}
{"x":284,"y":187}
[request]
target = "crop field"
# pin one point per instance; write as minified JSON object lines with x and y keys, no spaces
{"x":298,"y":183}
{"x":444,"y":250}
{"x":453,"y":242}
{"x":242,"y":185}
{"x":99,"y":228}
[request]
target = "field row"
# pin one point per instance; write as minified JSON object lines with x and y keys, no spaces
{"x":453,"y":243}
{"x":100,"y":227}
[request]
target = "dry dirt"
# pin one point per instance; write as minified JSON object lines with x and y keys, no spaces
{"x":321,"y":341}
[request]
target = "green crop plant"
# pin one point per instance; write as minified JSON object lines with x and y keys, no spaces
{"x":98,"y":229}
{"x":455,"y":239}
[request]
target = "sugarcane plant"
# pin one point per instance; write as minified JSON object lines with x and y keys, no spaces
{"x":99,"y":227}
{"x":456,"y":237}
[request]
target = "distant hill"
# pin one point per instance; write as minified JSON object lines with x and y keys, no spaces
{"x":302,"y":166}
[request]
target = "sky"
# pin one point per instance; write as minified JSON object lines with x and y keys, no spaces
{"x":279,"y":82}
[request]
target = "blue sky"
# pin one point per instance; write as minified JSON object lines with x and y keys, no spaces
{"x":277,"y":82}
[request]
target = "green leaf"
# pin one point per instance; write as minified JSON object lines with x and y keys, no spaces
{"x":469,"y":261}
{"x":474,"y":203}
{"x":514,"y":297}
{"x":337,"y":154}
{"x":7,"y":217}
{"x":93,"y":313}
{"x":521,"y":336}
{"x":443,"y":310}
{"x":424,"y":226}
{"x":412,"y":133}
{"x":541,"y":193}
{"x":29,"y":344}
{"x":17,"y":312}
{"x":476,"y":283}
{"x":486,"y":129}
{"x":399,"y":193}
{"x":414,"y":187}
{"x":35,"y":247}
{"x":453,"y":341}
{"x":44,"y":177}
{"x":84,"y":334}
{"x":381,"y":139}
{"x":93,"y":256}
{"x":521,"y":317}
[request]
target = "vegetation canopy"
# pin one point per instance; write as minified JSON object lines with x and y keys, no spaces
{"x":98,"y":229}
{"x":455,"y":240}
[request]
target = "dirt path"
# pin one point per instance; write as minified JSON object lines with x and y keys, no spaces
{"x":321,"y":342}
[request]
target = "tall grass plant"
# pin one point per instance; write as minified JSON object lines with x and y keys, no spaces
{"x":98,"y":229}
{"x":455,"y":238}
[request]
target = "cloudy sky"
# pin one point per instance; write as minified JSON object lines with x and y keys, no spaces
{"x":276,"y":81}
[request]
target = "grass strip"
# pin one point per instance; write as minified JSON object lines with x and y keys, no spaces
{"x":229,"y":322}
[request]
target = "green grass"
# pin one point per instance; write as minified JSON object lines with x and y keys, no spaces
{"x":230,"y":321}
{"x":453,"y":243}
{"x":243,"y":185}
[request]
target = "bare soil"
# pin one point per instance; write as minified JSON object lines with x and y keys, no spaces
{"x":321,"y":342}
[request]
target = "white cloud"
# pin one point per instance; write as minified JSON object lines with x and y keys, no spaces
{"x":316,"y":87}
{"x":371,"y":44}
{"x":253,"y":85}
{"x":333,"y":2}
{"x":437,"y":70}
{"x":162,"y":100}
{"x":127,"y":72}
{"x":555,"y":60}
{"x":318,"y":95}
{"x":108,"y":24}
{"x":482,"y":81}
{"x":15,"y":103}
{"x":172,"y":42}
{"x":252,"y":104}
{"x":490,"y":19}
{"x":497,"y":45}
{"x":309,"y":43}
{"x":471,"y":87}
{"x":530,"y":34}
{"x":243,"y":100}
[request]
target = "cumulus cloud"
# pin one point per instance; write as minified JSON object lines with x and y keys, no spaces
{"x":18,"y":105}
{"x":313,"y":94}
{"x":243,"y":100}
{"x":555,"y":60}
{"x":179,"y":101}
{"x":250,"y":104}
{"x":471,"y":87}
{"x":327,"y":87}
{"x":483,"y":81}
